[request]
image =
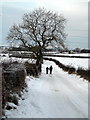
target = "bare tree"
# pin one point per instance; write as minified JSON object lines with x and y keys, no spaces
{"x":39,"y":29}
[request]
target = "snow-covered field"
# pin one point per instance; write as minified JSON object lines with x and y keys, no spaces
{"x":6,"y":59}
{"x":59,"y":95}
{"x":75,"y":62}
{"x":78,"y":54}
{"x":67,"y":54}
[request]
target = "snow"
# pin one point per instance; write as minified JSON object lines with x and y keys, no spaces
{"x":8,"y":59}
{"x":75,"y":62}
{"x":78,"y":54}
{"x":12,"y":105}
{"x":1,"y":54}
{"x":67,"y":54}
{"x":59,"y":95}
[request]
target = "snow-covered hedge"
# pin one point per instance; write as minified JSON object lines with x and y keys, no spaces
{"x":32,"y":69}
{"x":13,"y":80}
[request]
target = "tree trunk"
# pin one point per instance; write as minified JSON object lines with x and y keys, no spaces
{"x":39,"y":58}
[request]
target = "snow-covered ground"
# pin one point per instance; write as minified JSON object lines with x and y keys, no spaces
{"x":67,"y":54}
{"x":59,"y":95}
{"x":78,"y":54}
{"x":6,"y":59}
{"x":75,"y":62}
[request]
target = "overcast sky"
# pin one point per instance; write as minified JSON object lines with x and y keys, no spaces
{"x":75,"y":11}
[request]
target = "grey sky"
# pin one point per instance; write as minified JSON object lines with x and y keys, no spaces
{"x":75,"y":11}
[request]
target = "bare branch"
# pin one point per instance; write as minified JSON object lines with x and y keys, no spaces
{"x":39,"y":28}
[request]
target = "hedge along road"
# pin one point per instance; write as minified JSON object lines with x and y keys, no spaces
{"x":56,"y":95}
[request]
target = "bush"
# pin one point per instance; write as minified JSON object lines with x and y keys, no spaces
{"x":14,"y":76}
{"x":13,"y":82}
{"x":66,"y":68}
{"x":32,"y":69}
{"x":13,"y":99}
{"x":71,"y":70}
{"x":8,"y":107}
{"x":84,"y":73}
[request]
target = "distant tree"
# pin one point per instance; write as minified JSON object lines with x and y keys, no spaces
{"x":85,"y":51}
{"x":77,"y":50}
{"x":39,"y":29}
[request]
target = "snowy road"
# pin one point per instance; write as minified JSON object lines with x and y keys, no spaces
{"x":59,"y":95}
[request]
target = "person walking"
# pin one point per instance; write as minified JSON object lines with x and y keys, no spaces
{"x":46,"y":70}
{"x":51,"y":69}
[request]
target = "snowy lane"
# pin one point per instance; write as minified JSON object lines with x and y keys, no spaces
{"x":53,"y":96}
